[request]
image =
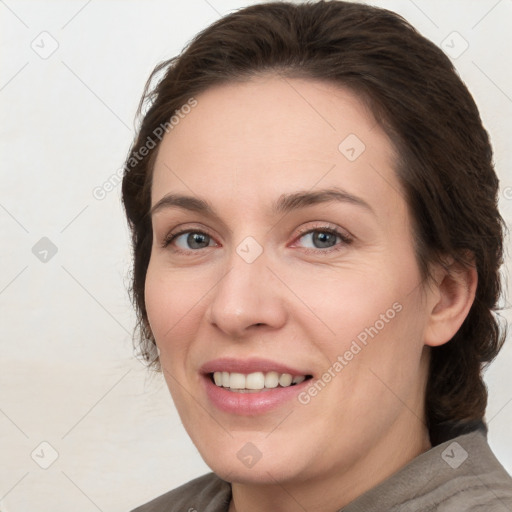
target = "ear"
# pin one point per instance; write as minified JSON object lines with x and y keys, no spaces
{"x":450,"y":298}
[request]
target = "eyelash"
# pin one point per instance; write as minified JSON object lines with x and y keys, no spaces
{"x":344,"y":237}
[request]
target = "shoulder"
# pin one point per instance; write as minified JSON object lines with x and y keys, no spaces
{"x":208,"y":493}
{"x":478,"y":481}
{"x":468,"y":477}
{"x":460,"y":474}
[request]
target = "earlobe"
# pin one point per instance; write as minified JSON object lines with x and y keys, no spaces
{"x":455,"y":291}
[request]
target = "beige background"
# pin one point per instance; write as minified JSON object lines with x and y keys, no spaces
{"x":68,"y":377}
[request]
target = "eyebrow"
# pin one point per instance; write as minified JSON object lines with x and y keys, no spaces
{"x":284,"y":204}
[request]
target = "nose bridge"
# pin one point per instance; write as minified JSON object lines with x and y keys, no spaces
{"x":246,"y":294}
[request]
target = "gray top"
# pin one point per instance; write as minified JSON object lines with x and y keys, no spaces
{"x":459,"y":475}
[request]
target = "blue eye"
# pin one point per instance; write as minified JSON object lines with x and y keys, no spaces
{"x":321,"y":239}
{"x":328,"y":239}
{"x":187,"y":240}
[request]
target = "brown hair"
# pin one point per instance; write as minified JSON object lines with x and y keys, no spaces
{"x":444,"y":163}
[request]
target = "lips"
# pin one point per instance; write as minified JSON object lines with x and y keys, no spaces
{"x":251,"y":386}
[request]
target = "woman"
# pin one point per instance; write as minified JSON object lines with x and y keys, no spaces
{"x":316,"y":251}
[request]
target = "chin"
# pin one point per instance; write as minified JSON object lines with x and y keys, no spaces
{"x":259,"y":474}
{"x":242,"y":462}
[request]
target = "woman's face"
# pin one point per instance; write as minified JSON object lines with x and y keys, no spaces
{"x":292,"y":257}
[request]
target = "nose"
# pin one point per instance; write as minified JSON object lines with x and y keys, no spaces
{"x":247,"y":297}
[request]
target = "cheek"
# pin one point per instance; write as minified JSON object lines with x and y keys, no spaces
{"x":388,"y":349}
{"x":371,"y":316}
{"x":172,"y":306}
{"x":171,"y":303}
{"x":375,"y":364}
{"x":350,"y":301}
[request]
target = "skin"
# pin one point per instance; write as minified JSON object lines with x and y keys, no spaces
{"x":242,"y":147}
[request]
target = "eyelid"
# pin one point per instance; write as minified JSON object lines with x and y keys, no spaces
{"x":345,"y":235}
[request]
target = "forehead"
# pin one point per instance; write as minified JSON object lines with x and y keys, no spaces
{"x":271,"y":134}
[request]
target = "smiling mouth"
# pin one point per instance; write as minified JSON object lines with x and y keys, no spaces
{"x":255,"y":382}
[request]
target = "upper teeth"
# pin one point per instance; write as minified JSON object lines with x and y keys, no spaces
{"x":256,"y":380}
